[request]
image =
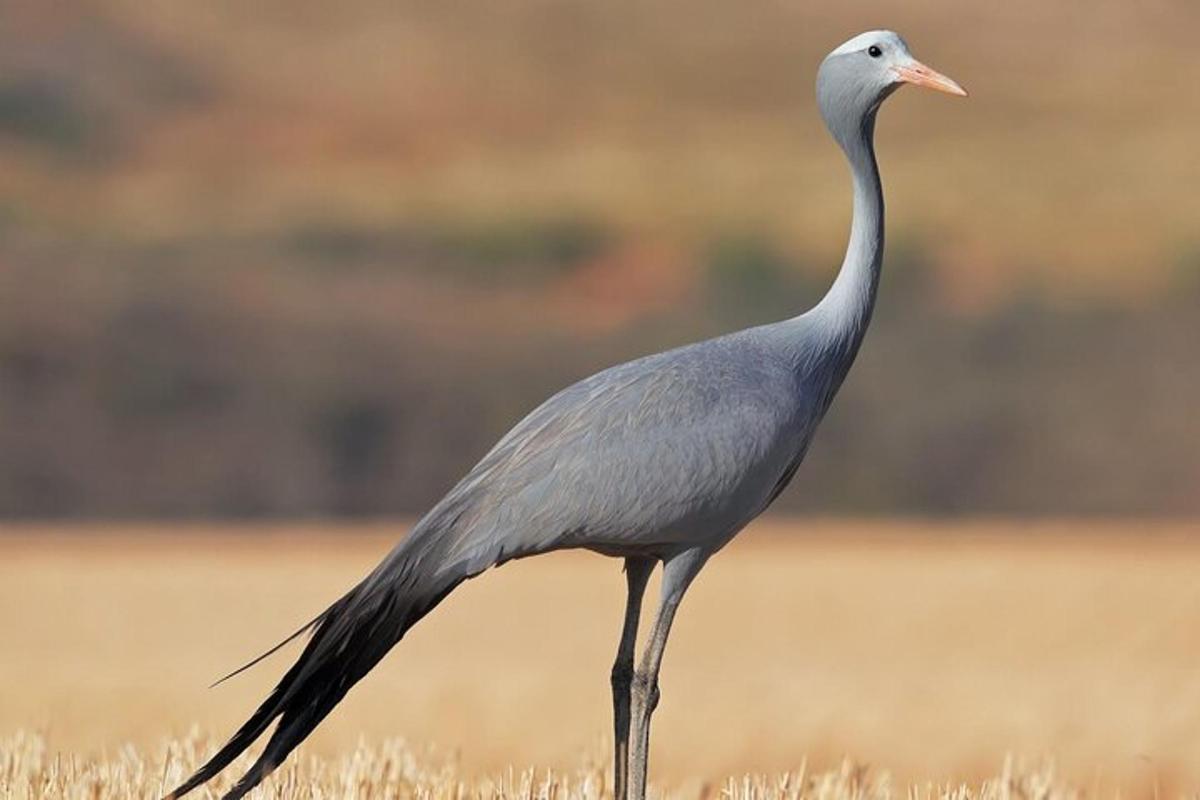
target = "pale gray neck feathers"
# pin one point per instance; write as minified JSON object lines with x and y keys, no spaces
{"x":846,"y":308}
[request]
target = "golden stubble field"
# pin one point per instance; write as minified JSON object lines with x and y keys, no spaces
{"x":929,"y":650}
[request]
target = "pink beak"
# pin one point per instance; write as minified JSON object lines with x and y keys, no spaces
{"x":918,"y":74}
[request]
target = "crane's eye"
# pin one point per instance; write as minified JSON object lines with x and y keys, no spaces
{"x":874,"y":51}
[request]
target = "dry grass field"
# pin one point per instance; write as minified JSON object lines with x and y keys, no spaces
{"x":926,"y":650}
{"x":28,"y":770}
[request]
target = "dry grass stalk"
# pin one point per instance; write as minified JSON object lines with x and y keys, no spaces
{"x":31,"y":769}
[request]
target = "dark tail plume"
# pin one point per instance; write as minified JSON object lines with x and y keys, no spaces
{"x":348,"y":639}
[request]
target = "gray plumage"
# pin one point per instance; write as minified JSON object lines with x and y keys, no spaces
{"x":659,"y":460}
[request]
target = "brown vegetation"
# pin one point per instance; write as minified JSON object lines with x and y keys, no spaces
{"x":287,"y":259}
{"x":1071,"y":163}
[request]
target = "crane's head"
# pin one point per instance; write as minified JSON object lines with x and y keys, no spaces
{"x":859,"y":75}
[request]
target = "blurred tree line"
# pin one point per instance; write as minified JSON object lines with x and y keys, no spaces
{"x":339,"y":371}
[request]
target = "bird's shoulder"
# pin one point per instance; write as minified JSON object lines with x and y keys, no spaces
{"x":737,"y":376}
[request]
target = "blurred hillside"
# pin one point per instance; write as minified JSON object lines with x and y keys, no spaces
{"x":303,"y":258}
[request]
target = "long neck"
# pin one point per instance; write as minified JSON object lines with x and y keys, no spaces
{"x":845,"y":310}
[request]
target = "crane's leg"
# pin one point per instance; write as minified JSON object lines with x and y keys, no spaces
{"x":678,"y":572}
{"x":637,"y":574}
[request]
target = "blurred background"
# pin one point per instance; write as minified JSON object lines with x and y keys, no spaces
{"x":302,"y":259}
{"x":273,"y":275}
